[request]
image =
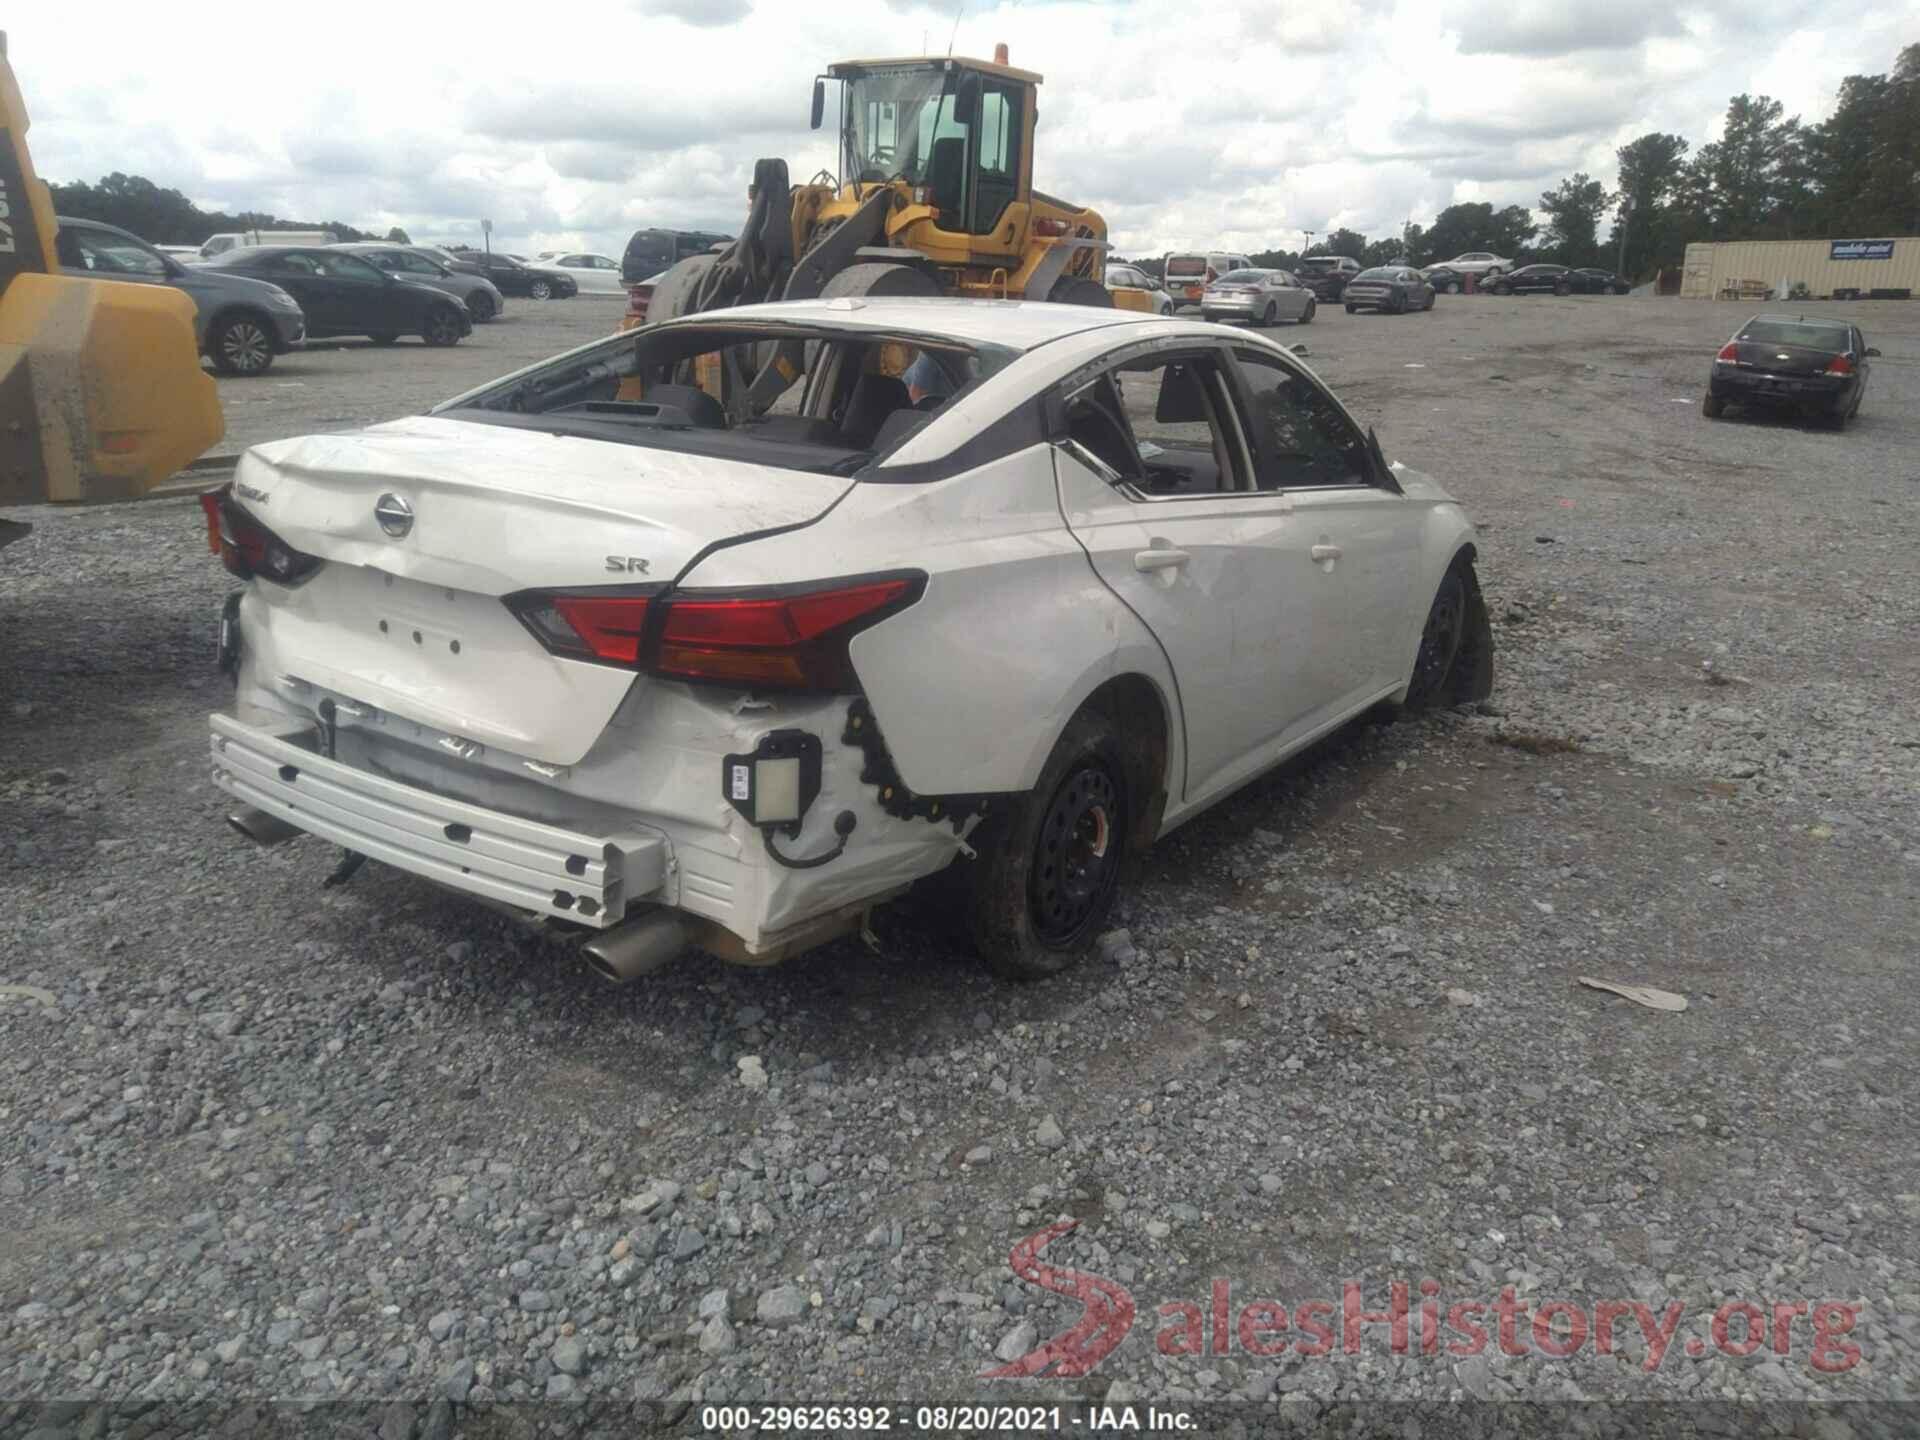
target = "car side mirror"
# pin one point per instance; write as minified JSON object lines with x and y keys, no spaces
{"x":819,"y":103}
{"x":967,"y":95}
{"x":1872,"y":354}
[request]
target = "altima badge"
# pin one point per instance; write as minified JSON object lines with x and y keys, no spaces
{"x":394,"y":514}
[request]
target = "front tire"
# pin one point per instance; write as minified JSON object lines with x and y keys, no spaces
{"x":1563,"y":288}
{"x":241,"y":345}
{"x":1352,"y":308}
{"x":480,"y":306}
{"x":1306,"y":316}
{"x":1440,"y":641}
{"x":1045,"y":884}
{"x":540,"y":290}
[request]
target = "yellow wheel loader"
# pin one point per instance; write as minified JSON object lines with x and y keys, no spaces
{"x":101,"y":392}
{"x":935,"y":197}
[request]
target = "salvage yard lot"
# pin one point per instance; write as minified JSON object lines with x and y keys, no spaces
{"x":373,"y":1141}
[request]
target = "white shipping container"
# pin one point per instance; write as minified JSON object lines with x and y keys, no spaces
{"x":1719,"y":269}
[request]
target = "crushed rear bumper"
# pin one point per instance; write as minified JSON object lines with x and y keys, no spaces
{"x":589,"y":879}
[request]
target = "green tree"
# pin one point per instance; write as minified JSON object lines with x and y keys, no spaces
{"x":1651,"y":169}
{"x":1344,"y":242}
{"x":397,"y":236}
{"x":1573,"y":214}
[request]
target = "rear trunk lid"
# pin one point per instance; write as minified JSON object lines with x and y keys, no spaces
{"x":1784,"y":359}
{"x":413,"y":624}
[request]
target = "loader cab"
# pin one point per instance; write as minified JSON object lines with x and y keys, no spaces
{"x":956,"y":135}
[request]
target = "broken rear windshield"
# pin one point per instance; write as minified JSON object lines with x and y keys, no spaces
{"x":1811,"y":335}
{"x":789,"y":396}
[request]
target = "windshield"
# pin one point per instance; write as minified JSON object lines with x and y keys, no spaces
{"x":893,"y":117}
{"x":1808,"y":336}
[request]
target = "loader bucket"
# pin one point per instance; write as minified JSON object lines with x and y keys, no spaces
{"x":101,"y":392}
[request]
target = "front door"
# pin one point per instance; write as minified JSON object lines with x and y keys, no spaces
{"x":1155,"y":481}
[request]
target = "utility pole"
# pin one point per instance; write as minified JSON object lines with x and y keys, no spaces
{"x":1620,"y":265}
{"x":1309,"y":235}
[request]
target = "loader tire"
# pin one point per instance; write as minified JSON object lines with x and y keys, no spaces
{"x":1075,"y":290}
{"x":878,"y":278}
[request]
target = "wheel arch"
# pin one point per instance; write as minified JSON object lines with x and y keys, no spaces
{"x":1140,"y":714}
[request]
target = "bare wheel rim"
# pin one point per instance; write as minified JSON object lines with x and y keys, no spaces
{"x":1440,"y":640}
{"x":1076,"y":859}
{"x":246,"y":347}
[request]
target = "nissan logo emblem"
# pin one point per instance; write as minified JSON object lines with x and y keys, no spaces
{"x":394,"y":514}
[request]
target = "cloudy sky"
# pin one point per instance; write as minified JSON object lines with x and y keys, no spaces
{"x":571,"y":125}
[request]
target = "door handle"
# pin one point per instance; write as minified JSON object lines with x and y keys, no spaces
{"x":1326,"y":552}
{"x":1160,"y":559}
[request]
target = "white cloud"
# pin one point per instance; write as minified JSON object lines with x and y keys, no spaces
{"x":1272,"y":117}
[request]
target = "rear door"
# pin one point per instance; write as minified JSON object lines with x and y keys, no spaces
{"x":298,"y":273}
{"x":371,"y":302}
{"x":1155,"y":482}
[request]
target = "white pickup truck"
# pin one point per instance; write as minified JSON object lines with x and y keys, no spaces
{"x":239,"y":239}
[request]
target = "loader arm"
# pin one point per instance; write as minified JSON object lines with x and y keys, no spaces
{"x":101,"y":392}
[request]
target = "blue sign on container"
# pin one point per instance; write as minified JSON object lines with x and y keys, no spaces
{"x":1860,"y":250}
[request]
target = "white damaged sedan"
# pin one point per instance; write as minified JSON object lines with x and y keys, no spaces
{"x":719,"y":632}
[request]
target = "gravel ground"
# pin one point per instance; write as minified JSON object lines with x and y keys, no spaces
{"x":257,"y":1139}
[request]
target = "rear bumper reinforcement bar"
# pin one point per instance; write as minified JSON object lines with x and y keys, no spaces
{"x":541,"y":868}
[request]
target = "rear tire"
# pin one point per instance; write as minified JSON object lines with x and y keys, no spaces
{"x":1429,"y":304}
{"x":1076,"y":290}
{"x":1269,"y":317}
{"x":1713,"y":407}
{"x":442,"y":327}
{"x":1306,"y":316}
{"x":1563,"y":288}
{"x":241,"y":345}
{"x":1045,"y":883}
{"x":1503,"y":289}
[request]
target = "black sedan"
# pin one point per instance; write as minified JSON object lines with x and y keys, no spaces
{"x":1445,"y":280}
{"x":344,"y":295}
{"x":514,"y":277}
{"x":1536,"y":279}
{"x":1592,"y":279}
{"x":1816,"y":368}
{"x":1388,"y":287}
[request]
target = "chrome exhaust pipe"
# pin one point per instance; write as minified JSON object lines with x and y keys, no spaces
{"x":262,"y":828}
{"x":639,"y":947}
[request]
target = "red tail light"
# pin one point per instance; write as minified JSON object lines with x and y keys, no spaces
{"x":246,"y":547}
{"x":637,"y":298}
{"x":1840,"y":365}
{"x":789,"y":638}
{"x":1729,"y":354}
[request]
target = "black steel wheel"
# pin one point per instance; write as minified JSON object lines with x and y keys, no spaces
{"x":1051,"y":863}
{"x":241,"y":345}
{"x":1439,"y":640}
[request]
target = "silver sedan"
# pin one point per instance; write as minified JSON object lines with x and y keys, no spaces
{"x":1261,"y":296}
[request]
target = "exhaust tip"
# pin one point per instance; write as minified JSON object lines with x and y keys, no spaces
{"x":636,"y":948}
{"x":262,"y":828}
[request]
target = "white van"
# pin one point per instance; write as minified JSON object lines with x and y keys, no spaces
{"x":239,"y":239}
{"x":1189,"y":275}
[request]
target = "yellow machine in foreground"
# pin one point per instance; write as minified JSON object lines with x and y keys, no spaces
{"x":935,"y":197}
{"x":101,"y":392}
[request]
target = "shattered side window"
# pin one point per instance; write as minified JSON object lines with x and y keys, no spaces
{"x":1303,"y":439}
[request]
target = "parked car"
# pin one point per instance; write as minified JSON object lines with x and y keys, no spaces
{"x":1446,"y":280}
{"x":185,"y":254}
{"x":481,"y":297}
{"x":516,"y":277}
{"x":652,"y":251}
{"x":1134,"y":289}
{"x":1592,"y":280}
{"x":239,"y":239}
{"x":240,"y":322}
{"x":1478,"y":262}
{"x":1189,"y":275}
{"x":461,"y":262}
{"x":674,"y":689}
{"x":344,"y":295}
{"x":592,"y":274}
{"x":1536,"y":280}
{"x":1326,"y":275}
{"x":1398,"y":288}
{"x":1817,"y":368}
{"x":1265,"y":297}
